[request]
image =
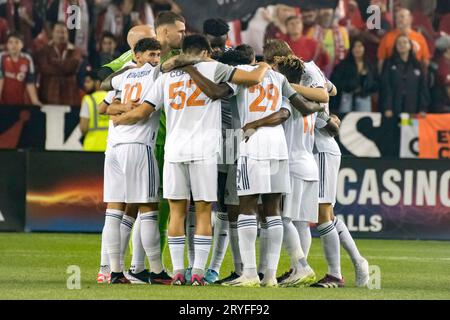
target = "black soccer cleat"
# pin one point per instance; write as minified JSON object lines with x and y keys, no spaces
{"x":329,"y":282}
{"x":142,"y":277}
{"x":284,"y":276}
{"x":231,"y":277}
{"x":160,"y":278}
{"x":119,"y":278}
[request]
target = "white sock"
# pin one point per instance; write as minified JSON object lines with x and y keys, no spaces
{"x":176,"y":248}
{"x":247,"y":231}
{"x":304,"y":233}
{"x":113,"y":220}
{"x":221,"y":239}
{"x":291,"y":242}
{"x":202,"y":247}
{"x":190,"y":232}
{"x":151,"y":240}
{"x":263,"y":239}
{"x":138,"y":257}
{"x":274,"y":242}
{"x":234,"y":243}
{"x":104,"y":258}
{"x":331,"y":248}
{"x":125,"y":231}
{"x":347,"y":241}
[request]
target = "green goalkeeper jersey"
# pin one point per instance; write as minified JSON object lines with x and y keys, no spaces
{"x":117,"y":64}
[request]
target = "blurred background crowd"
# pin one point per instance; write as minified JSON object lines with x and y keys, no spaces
{"x":402,"y":65}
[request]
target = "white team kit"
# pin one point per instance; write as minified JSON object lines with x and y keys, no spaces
{"x":263,"y":160}
{"x":193,"y":142}
{"x":131,"y":171}
{"x":326,"y":150}
{"x":301,"y":204}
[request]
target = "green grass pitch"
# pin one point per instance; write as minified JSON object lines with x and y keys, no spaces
{"x":34,"y":266}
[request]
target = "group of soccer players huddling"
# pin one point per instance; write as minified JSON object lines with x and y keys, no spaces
{"x":250,"y":142}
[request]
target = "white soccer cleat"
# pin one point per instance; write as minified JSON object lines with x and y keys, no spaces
{"x":362,"y":273}
{"x":300,"y":278}
{"x":269,"y":283}
{"x":243,"y":281}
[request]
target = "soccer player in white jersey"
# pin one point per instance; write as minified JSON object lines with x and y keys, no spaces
{"x":134,"y":35}
{"x":192,"y":148}
{"x":302,"y":203}
{"x":263,"y":170}
{"x":131,"y":175}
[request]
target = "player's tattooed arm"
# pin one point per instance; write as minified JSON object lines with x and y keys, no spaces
{"x":137,"y":114}
{"x":250,"y":78}
{"x":210,"y":88}
{"x":304,"y":106}
{"x":272,"y":120}
{"x":333,"y":125}
{"x":107,"y":84}
{"x":313,"y":94}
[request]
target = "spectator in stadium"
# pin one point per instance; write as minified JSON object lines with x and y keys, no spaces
{"x":403,"y":81}
{"x":216,"y":31}
{"x":79,"y":35}
{"x":164,"y":5}
{"x":403,"y":21}
{"x":334,"y":38}
{"x":355,"y":79}
{"x":93,"y":125}
{"x":17,"y":74}
{"x":122,"y":15}
{"x":277,"y":27}
{"x":107,"y":51}
{"x":441,"y":87}
{"x":58,"y":64}
{"x":306,"y":48}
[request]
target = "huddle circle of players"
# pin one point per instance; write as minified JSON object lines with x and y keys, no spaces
{"x":254,"y":139}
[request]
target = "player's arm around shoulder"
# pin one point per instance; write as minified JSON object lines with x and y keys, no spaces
{"x":108,"y":85}
{"x":314,"y":94}
{"x":250,"y":78}
{"x":213,"y":90}
{"x":272,"y":120}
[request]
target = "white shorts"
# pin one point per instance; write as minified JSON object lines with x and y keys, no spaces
{"x":302,"y":204}
{"x":262,"y":176}
{"x":130,"y":174}
{"x":200,"y":177}
{"x":328,"y":165}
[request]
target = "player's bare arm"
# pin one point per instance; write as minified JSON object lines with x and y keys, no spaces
{"x":107,"y":85}
{"x":135,"y":115}
{"x":211,"y":89}
{"x":333,"y":125}
{"x":304,"y":106}
{"x":250,"y":78}
{"x":332,"y":90}
{"x":272,"y":120}
{"x":180,"y":61}
{"x":313,"y":94}
{"x":117,"y":108}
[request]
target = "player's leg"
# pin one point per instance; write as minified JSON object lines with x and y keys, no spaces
{"x":247,"y":234}
{"x":274,"y":235}
{"x":220,"y":232}
{"x":126,"y":227}
{"x":163,"y":217}
{"x":304,"y":232}
{"x":231,"y":200}
{"x":360,"y":263}
{"x":328,"y":234}
{"x":301,"y":274}
{"x":104,"y":272}
{"x":176,"y":189}
{"x":203,"y":181}
{"x":137,"y":268}
{"x":190,"y":232}
{"x":114,"y":195}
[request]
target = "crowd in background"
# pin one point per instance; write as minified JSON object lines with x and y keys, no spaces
{"x":402,"y":65}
